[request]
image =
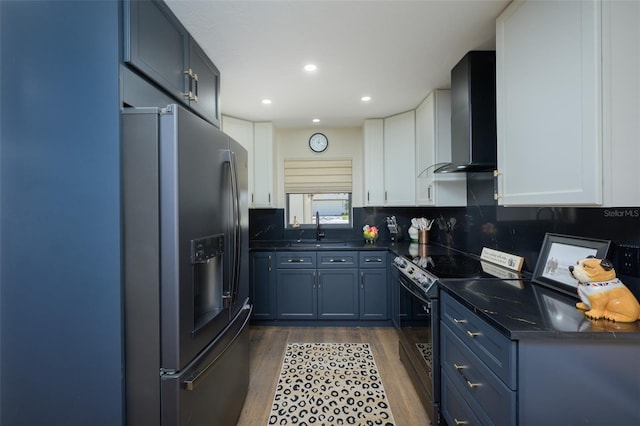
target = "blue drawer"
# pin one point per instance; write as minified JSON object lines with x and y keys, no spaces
{"x":373,"y":259}
{"x":493,"y":348}
{"x":475,"y":381}
{"x":296,"y":259}
{"x":337,"y":259}
{"x":455,"y":409}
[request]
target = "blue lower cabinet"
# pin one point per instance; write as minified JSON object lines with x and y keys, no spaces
{"x":491,"y":400}
{"x":374,"y":288}
{"x":455,"y":409}
{"x":374,"y":300}
{"x":263,"y":285}
{"x":297,"y":295}
{"x":328,"y":285}
{"x":338,"y":294}
{"x":479,"y":363}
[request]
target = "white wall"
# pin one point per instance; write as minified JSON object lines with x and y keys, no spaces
{"x":343,"y":143}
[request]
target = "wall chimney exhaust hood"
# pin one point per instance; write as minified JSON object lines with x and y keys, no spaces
{"x":473,"y":114}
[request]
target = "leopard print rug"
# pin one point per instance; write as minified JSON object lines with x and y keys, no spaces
{"x":330,"y":384}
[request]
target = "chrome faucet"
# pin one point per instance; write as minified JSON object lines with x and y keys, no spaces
{"x":319,"y":234}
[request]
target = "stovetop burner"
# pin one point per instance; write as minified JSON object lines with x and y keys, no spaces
{"x":454,"y":266}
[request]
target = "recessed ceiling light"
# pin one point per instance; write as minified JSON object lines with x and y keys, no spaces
{"x":316,"y":120}
{"x":365,"y":98}
{"x":266,"y":101}
{"x":310,"y":67}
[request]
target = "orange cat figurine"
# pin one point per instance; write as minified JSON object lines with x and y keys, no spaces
{"x":602,"y":294}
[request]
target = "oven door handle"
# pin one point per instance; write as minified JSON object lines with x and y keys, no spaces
{"x":414,"y":293}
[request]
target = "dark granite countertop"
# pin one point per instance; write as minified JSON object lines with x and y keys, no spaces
{"x":397,"y":248}
{"x":521,"y":309}
{"x":287,"y":245}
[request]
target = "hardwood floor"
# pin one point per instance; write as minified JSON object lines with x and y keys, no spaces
{"x":267,"y":350}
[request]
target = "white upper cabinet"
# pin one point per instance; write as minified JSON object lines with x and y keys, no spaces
{"x":257,"y":139}
{"x":373,"y":162}
{"x":433,"y":147}
{"x":263,"y":194}
{"x":548,"y":95}
{"x":242,"y":132}
{"x":621,"y":102}
{"x":399,"y":160}
{"x":567,"y":103}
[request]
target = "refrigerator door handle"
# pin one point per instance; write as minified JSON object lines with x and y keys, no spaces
{"x":191,"y":383}
{"x":231,"y":297}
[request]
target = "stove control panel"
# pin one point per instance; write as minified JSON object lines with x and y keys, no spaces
{"x":413,"y":272}
{"x":400,"y":262}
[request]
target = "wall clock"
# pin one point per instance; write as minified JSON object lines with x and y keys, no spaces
{"x":318,"y":142}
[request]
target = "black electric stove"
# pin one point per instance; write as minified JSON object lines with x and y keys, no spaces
{"x":417,"y":314}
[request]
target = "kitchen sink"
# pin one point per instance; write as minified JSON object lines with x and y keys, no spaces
{"x":321,"y":243}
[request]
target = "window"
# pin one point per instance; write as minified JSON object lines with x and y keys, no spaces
{"x":333,"y":209}
{"x":322,"y":186}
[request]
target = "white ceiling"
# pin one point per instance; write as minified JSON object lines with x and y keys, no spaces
{"x":394,"y":51}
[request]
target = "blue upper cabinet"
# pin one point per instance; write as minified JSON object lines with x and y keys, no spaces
{"x":205,"y":84}
{"x":156,"y":44}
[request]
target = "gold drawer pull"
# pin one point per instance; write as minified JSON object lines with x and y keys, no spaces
{"x":460,"y":422}
{"x":472,"y":334}
{"x":473,"y":385}
{"x":459,"y":367}
{"x":457,"y":321}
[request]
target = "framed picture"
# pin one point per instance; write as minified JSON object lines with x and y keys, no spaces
{"x":558,"y":252}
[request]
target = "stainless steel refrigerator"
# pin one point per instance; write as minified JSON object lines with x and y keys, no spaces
{"x":186,"y":269}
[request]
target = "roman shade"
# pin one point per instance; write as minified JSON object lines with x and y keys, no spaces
{"x":311,"y":176}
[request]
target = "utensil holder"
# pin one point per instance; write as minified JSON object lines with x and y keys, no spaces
{"x":423,"y":236}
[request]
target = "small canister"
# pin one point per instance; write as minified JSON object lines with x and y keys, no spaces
{"x":423,"y":236}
